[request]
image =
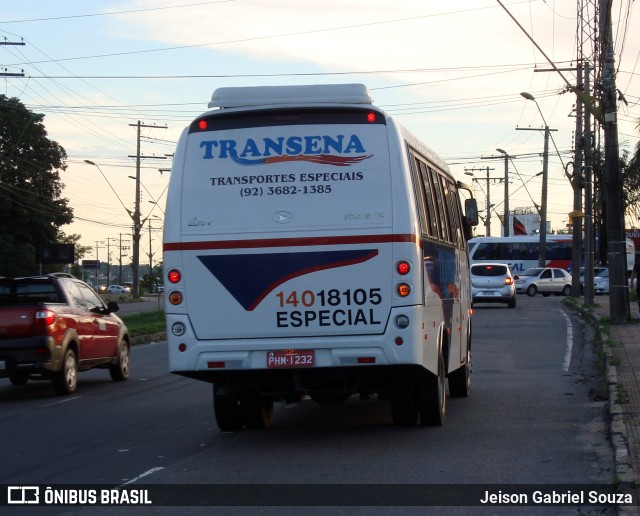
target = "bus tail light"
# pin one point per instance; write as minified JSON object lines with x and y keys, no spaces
{"x":403,"y":289}
{"x":403,"y":267}
{"x":174,"y":276}
{"x":175,"y":298}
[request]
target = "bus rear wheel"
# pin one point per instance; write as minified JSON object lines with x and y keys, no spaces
{"x":460,"y":380}
{"x":433,"y":395}
{"x":227,"y":410}
{"x":256,"y":410}
{"x":404,"y":403}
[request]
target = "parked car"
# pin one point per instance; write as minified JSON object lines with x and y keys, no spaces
{"x":55,"y":326}
{"x":118,"y":289}
{"x":597,"y":271}
{"x":545,"y":280}
{"x":492,"y":283}
{"x":601,"y":283}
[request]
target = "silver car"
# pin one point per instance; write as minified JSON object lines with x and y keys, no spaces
{"x":492,"y":283}
{"x":545,"y":280}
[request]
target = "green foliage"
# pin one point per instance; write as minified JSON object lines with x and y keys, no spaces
{"x":31,"y":207}
{"x":144,"y":323}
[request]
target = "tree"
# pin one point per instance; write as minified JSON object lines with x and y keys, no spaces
{"x":31,"y":207}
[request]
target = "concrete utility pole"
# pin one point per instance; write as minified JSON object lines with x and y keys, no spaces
{"x":12,"y":74}
{"x":505,"y":221}
{"x":137,"y":222}
{"x":616,"y":249}
{"x":588,"y":198}
{"x":542,"y":255}
{"x":576,"y":183}
{"x":469,"y":172}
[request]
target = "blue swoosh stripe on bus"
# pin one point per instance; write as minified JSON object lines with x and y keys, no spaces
{"x":249,"y":278}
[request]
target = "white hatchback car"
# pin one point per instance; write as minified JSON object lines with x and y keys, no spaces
{"x":492,"y":283}
{"x":118,"y":289}
{"x":544,"y":280}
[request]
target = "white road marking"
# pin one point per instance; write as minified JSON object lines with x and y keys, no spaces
{"x":145,"y":474}
{"x":66,"y":400}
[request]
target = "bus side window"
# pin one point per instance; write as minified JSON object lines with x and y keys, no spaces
{"x":432,"y":229}
{"x":443,"y":208}
{"x":423,"y":211}
{"x":455,"y":217}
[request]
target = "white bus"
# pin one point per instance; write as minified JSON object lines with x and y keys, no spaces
{"x":522,"y":252}
{"x":315,"y":248}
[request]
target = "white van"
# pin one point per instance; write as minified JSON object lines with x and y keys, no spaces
{"x":313,"y":247}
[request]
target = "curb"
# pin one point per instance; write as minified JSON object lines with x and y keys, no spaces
{"x":624,"y":473}
{"x":148,"y":339}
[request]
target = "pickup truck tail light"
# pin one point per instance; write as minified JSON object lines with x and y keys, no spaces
{"x":45,"y":317}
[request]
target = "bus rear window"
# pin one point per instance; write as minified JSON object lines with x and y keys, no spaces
{"x":284,"y":170}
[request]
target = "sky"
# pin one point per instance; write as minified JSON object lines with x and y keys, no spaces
{"x":451,"y":72}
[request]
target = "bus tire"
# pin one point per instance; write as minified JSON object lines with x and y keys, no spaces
{"x":532,"y":290}
{"x":227,"y":410}
{"x":433,"y":395}
{"x":404,"y":406}
{"x":460,"y":380}
{"x":256,"y":410}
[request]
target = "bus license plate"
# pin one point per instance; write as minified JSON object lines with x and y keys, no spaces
{"x":290,"y":358}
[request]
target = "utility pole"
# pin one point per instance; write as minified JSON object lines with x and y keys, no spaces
{"x":137,"y":223}
{"x":616,"y":249}
{"x":4,"y":72}
{"x":576,"y":183}
{"x":122,"y":247}
{"x":588,"y":197}
{"x":469,"y":172}
{"x":542,"y":255}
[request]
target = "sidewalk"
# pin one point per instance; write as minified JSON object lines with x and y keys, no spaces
{"x":622,"y":349}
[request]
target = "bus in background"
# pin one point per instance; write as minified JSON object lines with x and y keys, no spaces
{"x":522,"y":252}
{"x":315,"y":248}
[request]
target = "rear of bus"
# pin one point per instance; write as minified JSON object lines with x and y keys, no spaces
{"x":291,"y":261}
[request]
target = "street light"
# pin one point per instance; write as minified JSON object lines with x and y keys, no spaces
{"x":542,"y":257}
{"x":505,"y":221}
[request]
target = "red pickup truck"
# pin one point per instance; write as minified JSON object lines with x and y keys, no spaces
{"x":53,"y":326}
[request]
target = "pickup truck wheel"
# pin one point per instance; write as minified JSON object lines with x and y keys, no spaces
{"x":65,"y":381}
{"x":120,"y":371}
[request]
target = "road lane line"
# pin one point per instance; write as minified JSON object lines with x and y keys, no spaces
{"x":146,"y":473}
{"x":66,"y":400}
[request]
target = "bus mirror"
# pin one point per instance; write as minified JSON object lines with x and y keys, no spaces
{"x":471,"y":211}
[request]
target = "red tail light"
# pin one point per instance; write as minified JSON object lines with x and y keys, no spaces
{"x":508,"y":281}
{"x":403,"y":267}
{"x":45,"y":317}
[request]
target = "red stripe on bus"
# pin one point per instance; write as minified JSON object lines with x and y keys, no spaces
{"x":288,"y":242}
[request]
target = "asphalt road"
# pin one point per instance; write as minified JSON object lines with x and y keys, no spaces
{"x":535,"y":416}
